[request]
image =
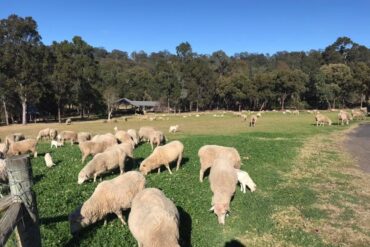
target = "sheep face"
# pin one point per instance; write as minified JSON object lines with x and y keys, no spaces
{"x":220,"y":210}
{"x":77,"y":221}
{"x":144,"y":169}
{"x":82,"y":177}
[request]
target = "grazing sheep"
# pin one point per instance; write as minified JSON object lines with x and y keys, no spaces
{"x":3,"y":172}
{"x":245,"y":180}
{"x":53,"y":134}
{"x":322,"y":120}
{"x":259,"y":114}
{"x":3,"y":149}
{"x":344,"y":117}
{"x":174,"y":128}
{"x":154,"y":219}
{"x":223,"y":180}
{"x":55,"y":144}
{"x":133,"y":135}
{"x":358,"y":114}
{"x":48,"y":160}
{"x":253,"y":121}
{"x":108,"y":139}
{"x":103,"y":163}
{"x":145,"y":132}
{"x":47,"y":133}
{"x":244,"y":117}
{"x":67,"y":135}
{"x":91,"y":147}
{"x":22,"y":147}
{"x":127,"y":148}
{"x":163,"y":155}
{"x":111,"y":196}
{"x":156,"y":138}
{"x":209,"y":153}
{"x":83,"y":136}
{"x":295,"y":112}
{"x":122,"y":136}
{"x":68,"y":121}
{"x":15,"y":137}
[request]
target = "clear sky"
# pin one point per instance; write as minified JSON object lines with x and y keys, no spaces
{"x":230,"y":25}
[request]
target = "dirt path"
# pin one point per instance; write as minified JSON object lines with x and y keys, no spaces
{"x":358,"y":144}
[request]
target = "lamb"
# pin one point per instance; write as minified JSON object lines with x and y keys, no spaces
{"x":108,"y":139}
{"x":102,"y":163}
{"x":322,"y":120}
{"x":22,"y":147}
{"x":145,"y":132}
{"x":47,"y":133}
{"x":67,"y":135}
{"x":156,"y":138}
{"x":253,"y":121}
{"x":111,"y":196}
{"x":133,"y":135}
{"x":163,"y":155}
{"x":174,"y":128}
{"x":68,"y":121}
{"x":55,"y":144}
{"x":209,"y":153}
{"x":154,"y":219}
{"x":223,"y":180}
{"x":245,"y":180}
{"x":3,"y":172}
{"x":48,"y":160}
{"x":91,"y":147}
{"x":83,"y":136}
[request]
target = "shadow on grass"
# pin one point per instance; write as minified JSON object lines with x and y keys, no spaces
{"x":38,"y":178}
{"x":185,"y":228}
{"x":52,"y":220}
{"x":234,"y":243}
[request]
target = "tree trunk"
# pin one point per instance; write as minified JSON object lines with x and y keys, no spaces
{"x":109,"y":113}
{"x":168,"y":105}
{"x":6,"y":113}
{"x":197,"y":106}
{"x":240,"y":107}
{"x":329,"y":105}
{"x":24,"y":111}
{"x":283,"y":98}
{"x":59,"y":116}
{"x":334,"y":104}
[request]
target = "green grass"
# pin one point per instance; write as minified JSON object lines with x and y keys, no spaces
{"x":272,"y":148}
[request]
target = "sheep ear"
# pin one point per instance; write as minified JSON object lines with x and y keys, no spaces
{"x":212,"y":208}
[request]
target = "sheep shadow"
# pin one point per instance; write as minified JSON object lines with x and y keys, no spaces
{"x":234,"y":243}
{"x":38,"y":178}
{"x":185,"y":228}
{"x":52,"y":220}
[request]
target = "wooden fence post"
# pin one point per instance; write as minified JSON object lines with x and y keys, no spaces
{"x":20,"y":182}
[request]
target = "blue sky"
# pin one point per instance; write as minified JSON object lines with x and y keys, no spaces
{"x":233,"y":26}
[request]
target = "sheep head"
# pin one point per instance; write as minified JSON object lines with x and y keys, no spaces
{"x":82,"y":177}
{"x":77,"y":221}
{"x":144,"y":169}
{"x":220,"y":209}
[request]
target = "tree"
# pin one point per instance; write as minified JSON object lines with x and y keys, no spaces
{"x":110,"y":96}
{"x":22,"y":55}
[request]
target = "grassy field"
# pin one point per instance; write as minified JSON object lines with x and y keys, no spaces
{"x":309,"y":191}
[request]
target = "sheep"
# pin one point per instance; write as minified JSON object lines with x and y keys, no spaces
{"x":3,"y":172}
{"x":253,"y":121}
{"x":209,"y":153}
{"x":123,"y":136}
{"x":322,"y":120}
{"x":133,"y":135}
{"x":223,"y":180}
{"x":358,"y":115}
{"x":108,"y":139}
{"x":83,"y":136}
{"x":154,"y":219}
{"x":144,"y":133}
{"x":173,"y":128}
{"x":68,"y":121}
{"x":343,"y":116}
{"x":163,"y":155}
{"x":124,"y":147}
{"x":245,"y":180}
{"x":111,"y":196}
{"x":102,"y":163}
{"x":295,"y":112}
{"x":48,"y":160}
{"x":156,"y":138}
{"x":22,"y":147}
{"x":244,"y":117}
{"x":259,"y":114}
{"x":47,"y":133}
{"x":91,"y":147}
{"x":55,"y":144}
{"x":15,"y":137}
{"x":67,"y":135}
{"x":3,"y":149}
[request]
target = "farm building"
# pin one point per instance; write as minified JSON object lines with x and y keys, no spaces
{"x":138,"y":106}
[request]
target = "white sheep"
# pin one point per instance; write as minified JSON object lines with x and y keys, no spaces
{"x":163,"y":155}
{"x":133,"y":135}
{"x":111,"y":196}
{"x":145,"y":132}
{"x":55,"y":143}
{"x":15,"y":137}
{"x":156,"y":138}
{"x":68,"y":121}
{"x":22,"y":147}
{"x":108,"y":139}
{"x":223,"y":180}
{"x":67,"y":135}
{"x":245,"y":180}
{"x":48,"y":160}
{"x":122,"y":136}
{"x":83,"y":136}
{"x":322,"y":120}
{"x":209,"y":153}
{"x":253,"y":121}
{"x":173,"y":128}
{"x":103,"y":163}
{"x":154,"y":219}
{"x":47,"y":133}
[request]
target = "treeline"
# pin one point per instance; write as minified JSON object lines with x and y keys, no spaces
{"x":72,"y":76}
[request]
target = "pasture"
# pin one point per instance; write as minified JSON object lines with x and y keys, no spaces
{"x":309,"y":192}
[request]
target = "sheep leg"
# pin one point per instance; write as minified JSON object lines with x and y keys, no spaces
{"x":120,"y":216}
{"x":139,"y":244}
{"x":179,"y":162}
{"x":159,"y":170}
{"x":244,"y":188}
{"x":151,"y":144}
{"x":201,"y":173}
{"x":35,"y":154}
{"x":95,"y":177}
{"x":168,"y":168}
